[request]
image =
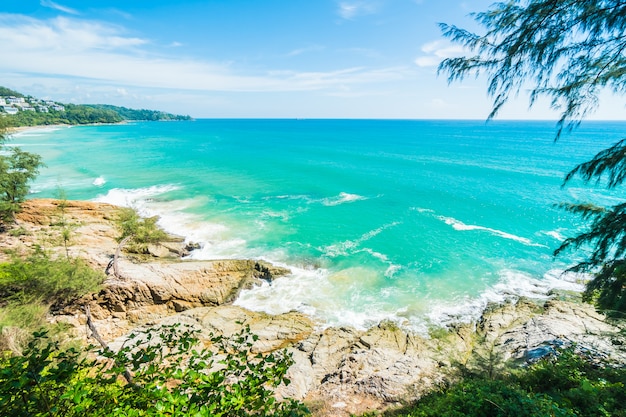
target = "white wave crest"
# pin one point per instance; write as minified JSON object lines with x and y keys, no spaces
{"x":215,"y":239}
{"x":511,"y":286}
{"x":135,"y":198}
{"x":459,"y":225}
{"x":350,"y":246}
{"x":556,"y":234}
{"x":342,"y":198}
{"x":99,"y":182}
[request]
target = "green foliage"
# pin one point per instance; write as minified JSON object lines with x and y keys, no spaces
{"x":606,"y":233}
{"x":63,"y":224}
{"x":566,"y":384}
{"x":568,"y":51}
{"x":36,"y":383}
{"x":28,"y":286}
{"x":170,"y":375}
{"x":578,"y":383}
{"x":141,"y":231}
{"x":8,"y":92}
{"x":134,"y":114}
{"x":4,"y":125}
{"x":17,"y":169}
{"x":40,"y":277}
{"x":484,"y":397}
{"x":72,"y":115}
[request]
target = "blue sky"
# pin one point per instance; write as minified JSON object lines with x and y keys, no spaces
{"x":245,"y":58}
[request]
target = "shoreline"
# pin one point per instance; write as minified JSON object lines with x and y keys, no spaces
{"x":23,"y":129}
{"x":347,"y":370}
{"x":359,"y":260}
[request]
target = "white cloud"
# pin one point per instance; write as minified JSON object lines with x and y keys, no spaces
{"x":64,"y":47}
{"x":350,"y":10}
{"x":60,"y":34}
{"x":437,"y":51}
{"x":52,"y":5}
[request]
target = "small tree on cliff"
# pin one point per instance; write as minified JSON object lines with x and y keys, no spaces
{"x":136,"y":232}
{"x":17,"y":169}
{"x":568,"y":51}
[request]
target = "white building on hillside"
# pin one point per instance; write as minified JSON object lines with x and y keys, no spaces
{"x":10,"y":110}
{"x":15,"y":100}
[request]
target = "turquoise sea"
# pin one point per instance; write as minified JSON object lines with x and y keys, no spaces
{"x":420,"y":222}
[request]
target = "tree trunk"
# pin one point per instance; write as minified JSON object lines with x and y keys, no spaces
{"x":116,"y":271}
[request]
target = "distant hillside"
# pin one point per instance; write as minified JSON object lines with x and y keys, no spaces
{"x":24,"y":110}
{"x":134,"y":114}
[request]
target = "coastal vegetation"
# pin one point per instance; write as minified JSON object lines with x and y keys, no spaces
{"x":566,"y":384}
{"x":136,"y":234}
{"x":160,"y":372}
{"x":17,"y":169}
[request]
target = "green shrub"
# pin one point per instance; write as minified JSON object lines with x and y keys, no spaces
{"x":30,"y":287}
{"x":578,"y":382}
{"x":51,"y":281}
{"x":565,"y":384}
{"x":167,"y":374}
{"x":141,"y":231}
{"x":484,"y":397}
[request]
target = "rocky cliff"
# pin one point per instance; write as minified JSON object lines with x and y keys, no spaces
{"x":339,"y":371}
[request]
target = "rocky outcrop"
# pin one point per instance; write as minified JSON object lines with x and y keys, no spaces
{"x":338,"y":371}
{"x":347,"y":371}
{"x":524,"y":332}
{"x":158,"y":289}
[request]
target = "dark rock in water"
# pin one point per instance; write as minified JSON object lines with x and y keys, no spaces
{"x":268,"y":272}
{"x":191,"y":246}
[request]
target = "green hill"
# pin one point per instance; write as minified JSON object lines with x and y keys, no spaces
{"x":24,"y":110}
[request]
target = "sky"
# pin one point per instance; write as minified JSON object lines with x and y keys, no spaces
{"x":251,"y":59}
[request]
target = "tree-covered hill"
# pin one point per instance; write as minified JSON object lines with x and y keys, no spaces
{"x":134,"y":114}
{"x":22,"y":110}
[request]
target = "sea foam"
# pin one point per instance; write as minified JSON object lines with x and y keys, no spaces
{"x":99,"y":182}
{"x":510,"y":287}
{"x":460,"y":226}
{"x":342,"y":198}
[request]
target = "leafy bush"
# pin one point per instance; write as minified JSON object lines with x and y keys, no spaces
{"x":141,"y":231}
{"x":31,"y":286}
{"x":589,"y":388}
{"x":484,"y":397}
{"x":160,"y":372}
{"x":565,"y":384}
{"x":17,"y":169}
{"x":41,"y":278}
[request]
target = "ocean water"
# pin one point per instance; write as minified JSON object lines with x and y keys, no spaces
{"x":419,"y":222}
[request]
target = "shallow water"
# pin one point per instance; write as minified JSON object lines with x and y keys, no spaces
{"x":419,"y":222}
